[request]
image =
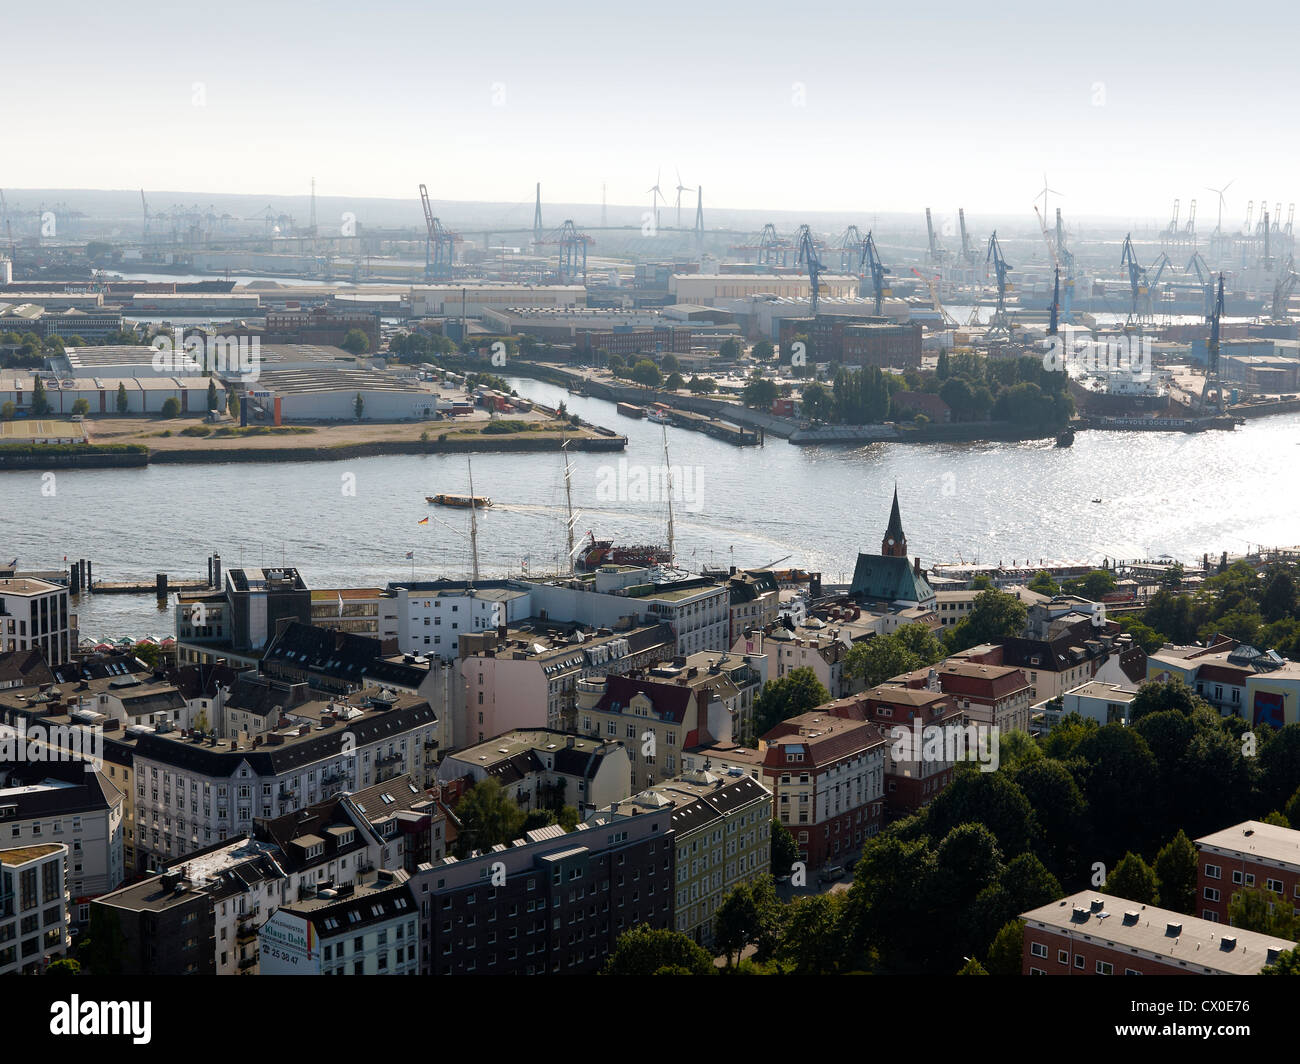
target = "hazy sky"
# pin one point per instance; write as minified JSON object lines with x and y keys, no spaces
{"x":770,"y":105}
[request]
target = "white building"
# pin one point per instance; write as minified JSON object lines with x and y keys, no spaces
{"x":428,"y":618}
{"x":34,"y":613}
{"x":33,"y":907}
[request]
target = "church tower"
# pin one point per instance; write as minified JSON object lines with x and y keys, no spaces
{"x":894,"y":545}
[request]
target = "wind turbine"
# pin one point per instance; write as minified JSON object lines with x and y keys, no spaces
{"x":680,"y":189}
{"x":656,"y":195}
{"x":1044,"y":193}
{"x":1219,"y":192}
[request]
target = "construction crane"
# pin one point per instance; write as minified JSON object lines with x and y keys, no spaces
{"x":1000,"y":325}
{"x":1283,"y":289}
{"x":1171,"y":231}
{"x":968,"y":253}
{"x":1212,"y":354}
{"x":808,"y":258}
{"x":440,"y":250}
{"x":870,"y":263}
{"x":1137,"y":280}
{"x":1189,"y":230}
{"x":573,"y":251}
{"x":935,"y":301}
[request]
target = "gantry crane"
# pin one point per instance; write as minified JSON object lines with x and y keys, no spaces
{"x":968,"y":252}
{"x":849,"y":246}
{"x":935,"y":301}
{"x":938,"y":253}
{"x":1199,"y":266}
{"x":573,"y":251}
{"x":1282,"y":290}
{"x":1212,"y":354}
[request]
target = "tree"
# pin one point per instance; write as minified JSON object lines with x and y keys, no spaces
{"x":817,"y":403}
{"x":645,"y":951}
{"x":103,"y":949}
{"x":729,"y":349}
{"x":232,"y":402}
{"x":702,"y":385}
{"x":1175,"y":871}
{"x":1278,"y":599}
{"x":646,"y":373}
{"x":537,"y":818}
{"x":8,"y":410}
{"x":356,"y":342}
{"x":40,"y":403}
{"x":1133,"y":879}
{"x":812,"y":941}
{"x":1043,"y":583}
{"x":882,"y":657}
{"x":567,"y":817}
{"x":796,"y":692}
{"x":1260,"y":910}
{"x":1287,"y":963}
{"x":81,"y":406}
{"x":749,"y":916}
{"x":763,"y":351}
{"x":674,"y":383}
{"x":123,"y":404}
{"x":994,"y":615}
{"x":1157,"y":697}
{"x":64,"y":966}
{"x":1007,"y":950}
{"x":1098,"y":583}
{"x":669,"y":364}
{"x":171,"y":407}
{"x":212,"y":395}
{"x":759,"y":393}
{"x":148,"y":653}
{"x":488,"y":816}
{"x":785,"y":851}
{"x":358,"y":406}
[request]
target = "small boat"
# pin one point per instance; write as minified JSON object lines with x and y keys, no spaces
{"x":1096,"y":500}
{"x":659,"y":414}
{"x":1065,"y":438}
{"x":464,"y":502}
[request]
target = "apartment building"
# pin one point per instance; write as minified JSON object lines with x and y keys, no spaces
{"x":1248,"y":856}
{"x":34,"y":615}
{"x":33,"y":907}
{"x":814,"y":645}
{"x":1097,"y":934}
{"x":192,"y":790}
{"x":755,"y":602}
{"x":827,"y":778}
{"x":551,"y":902}
{"x":722,"y":832}
{"x":370,"y":928}
{"x":60,"y":801}
{"x":990,"y":695}
{"x":528,"y":677}
{"x":539,"y":768}
{"x":429,"y":617}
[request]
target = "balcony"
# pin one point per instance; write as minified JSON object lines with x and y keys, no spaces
{"x":431,"y":744}
{"x":388,"y":759}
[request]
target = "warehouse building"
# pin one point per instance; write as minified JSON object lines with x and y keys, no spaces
{"x":473,"y":300}
{"x":324,"y":394}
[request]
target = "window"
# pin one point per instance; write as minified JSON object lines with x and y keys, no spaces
{"x":1211,"y":894}
{"x":1212,"y":871}
{"x":1038,"y":949}
{"x":1105,"y":968}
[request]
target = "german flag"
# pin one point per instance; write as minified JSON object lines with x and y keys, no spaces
{"x":422,"y":521}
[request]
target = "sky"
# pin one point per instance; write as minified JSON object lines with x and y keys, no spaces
{"x":824,"y":107}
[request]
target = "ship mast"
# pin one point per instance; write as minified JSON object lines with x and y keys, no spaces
{"x":473,"y":525}
{"x":668,"y":466}
{"x":568,"y":502}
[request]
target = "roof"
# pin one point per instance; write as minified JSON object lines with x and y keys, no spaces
{"x":22,"y":854}
{"x":699,"y":798}
{"x":1199,"y":946}
{"x":888,"y":579}
{"x":670,"y":701}
{"x":1253,"y":838}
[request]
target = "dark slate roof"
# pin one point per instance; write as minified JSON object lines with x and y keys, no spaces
{"x":670,"y":700}
{"x":895,"y":529}
{"x":716,"y":804}
{"x":355,"y":912}
{"x":306,"y":646}
{"x":99,"y":668}
{"x":26,"y":667}
{"x":201,"y":681}
{"x":315,"y":820}
{"x":876,"y":577}
{"x":89,"y":791}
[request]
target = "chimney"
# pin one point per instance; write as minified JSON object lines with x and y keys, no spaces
{"x":916,"y":565}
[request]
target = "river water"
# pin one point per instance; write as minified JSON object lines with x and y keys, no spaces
{"x":813,"y":507}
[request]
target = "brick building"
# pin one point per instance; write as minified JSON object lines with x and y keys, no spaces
{"x":326,"y":325}
{"x":1247,"y":856}
{"x":1098,"y":934}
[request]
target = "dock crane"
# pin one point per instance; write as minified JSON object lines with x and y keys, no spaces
{"x":1196,"y":264}
{"x":849,"y":246}
{"x":1282,"y":290}
{"x":870,"y":262}
{"x":1137,"y":280}
{"x":1212,"y":354}
{"x":1000,"y":325}
{"x":967,"y":248}
{"x":1056,"y":299}
{"x":573,"y":252}
{"x":807,"y":257}
{"x":937,"y":251}
{"x":440,"y":251}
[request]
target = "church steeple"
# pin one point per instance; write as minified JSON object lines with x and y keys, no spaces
{"x":894,"y":545}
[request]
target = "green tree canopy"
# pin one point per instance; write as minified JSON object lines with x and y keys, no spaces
{"x":994,"y":615}
{"x":787,"y":696}
{"x":488,"y":816}
{"x":644,"y":951}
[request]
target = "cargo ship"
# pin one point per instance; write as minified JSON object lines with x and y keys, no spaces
{"x":464,"y":502}
{"x":630,"y":410}
{"x":598,"y":552}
